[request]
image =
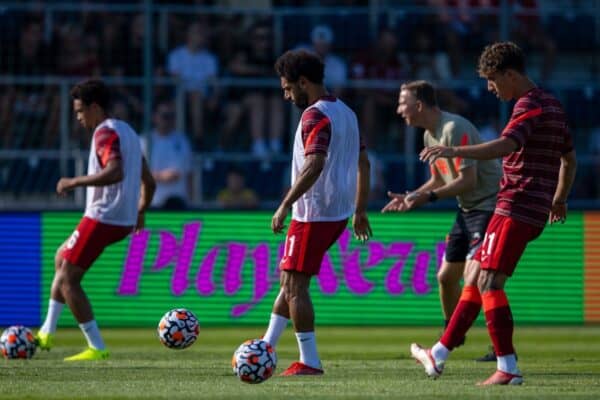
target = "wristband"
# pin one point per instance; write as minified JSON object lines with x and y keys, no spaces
{"x":432,"y":196}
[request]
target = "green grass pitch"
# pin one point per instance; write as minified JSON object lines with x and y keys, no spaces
{"x":360,"y":363}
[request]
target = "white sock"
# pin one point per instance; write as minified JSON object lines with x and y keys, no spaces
{"x":92,"y":334}
{"x":277,"y":325}
{"x":307,"y":342}
{"x":54,"y":310}
{"x":440,"y":352}
{"x":508,"y":364}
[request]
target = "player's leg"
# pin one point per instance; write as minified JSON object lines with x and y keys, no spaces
{"x":296,"y":285}
{"x":93,"y":237}
{"x":280,"y":317}
{"x":463,"y":317}
{"x":45,"y":336}
{"x":306,"y":245}
{"x":453,"y":265}
{"x":448,"y":278}
{"x":503,"y":246}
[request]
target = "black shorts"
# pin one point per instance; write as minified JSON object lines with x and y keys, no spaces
{"x":466,"y":235}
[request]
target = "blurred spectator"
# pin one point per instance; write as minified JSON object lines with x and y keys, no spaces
{"x":426,"y":62}
{"x":29,"y":113}
{"x":256,"y":60}
{"x":489,"y":129}
{"x":197,"y":67}
{"x":382,"y":62}
{"x":336,"y":70}
{"x":236,"y":194}
{"x":112,"y":52}
{"x":170,"y":160}
{"x":78,"y":52}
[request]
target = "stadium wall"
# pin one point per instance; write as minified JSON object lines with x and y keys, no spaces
{"x":223,"y":266}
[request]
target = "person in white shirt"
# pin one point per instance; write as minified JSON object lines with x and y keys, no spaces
{"x":169,"y":154}
{"x":330,"y":183}
{"x":336,"y":69}
{"x":198,"y":69}
{"x":119,"y":189}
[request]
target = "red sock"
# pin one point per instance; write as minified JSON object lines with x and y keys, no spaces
{"x":499,"y":321}
{"x":462,"y":318}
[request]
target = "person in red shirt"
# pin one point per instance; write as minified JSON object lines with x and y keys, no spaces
{"x":539,"y":166}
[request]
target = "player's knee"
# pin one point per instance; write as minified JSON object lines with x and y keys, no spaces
{"x":444,"y":278}
{"x":490,"y":280}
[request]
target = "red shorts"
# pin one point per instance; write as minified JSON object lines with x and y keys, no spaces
{"x":504,"y":242}
{"x":307,"y":242}
{"x":90,"y":239}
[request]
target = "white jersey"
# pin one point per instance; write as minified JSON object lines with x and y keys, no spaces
{"x":332,"y":197}
{"x":116,"y":204}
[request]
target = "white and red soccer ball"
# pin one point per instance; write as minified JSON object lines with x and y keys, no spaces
{"x":178,"y":328}
{"x":17,"y":342}
{"x":254,"y":361}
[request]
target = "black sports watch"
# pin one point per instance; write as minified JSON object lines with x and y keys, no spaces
{"x":432,"y":196}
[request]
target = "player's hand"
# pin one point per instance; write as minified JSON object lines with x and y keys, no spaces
{"x":278,"y":219}
{"x":64,"y":185}
{"x":558,"y":212}
{"x":141,"y":221}
{"x":430,"y":154}
{"x":415,"y":200}
{"x":361,"y":226}
{"x":396,"y":203}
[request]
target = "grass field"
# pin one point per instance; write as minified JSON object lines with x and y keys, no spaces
{"x":360,"y":363}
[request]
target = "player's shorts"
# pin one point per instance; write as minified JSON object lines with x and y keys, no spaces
{"x":466,"y":234}
{"x":89,"y":240}
{"x":307,"y":242}
{"x":504,"y":242}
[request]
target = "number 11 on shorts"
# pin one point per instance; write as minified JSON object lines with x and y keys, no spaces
{"x":488,"y":243}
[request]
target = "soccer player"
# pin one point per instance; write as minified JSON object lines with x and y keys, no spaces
{"x":538,"y":171}
{"x":473,"y":183}
{"x":330,"y":183}
{"x":119,"y":189}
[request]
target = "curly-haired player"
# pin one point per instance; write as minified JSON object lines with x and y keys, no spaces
{"x":538,"y":170}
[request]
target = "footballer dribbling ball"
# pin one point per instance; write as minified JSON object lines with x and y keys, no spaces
{"x":17,"y":342}
{"x":254,"y":361}
{"x":178,"y":328}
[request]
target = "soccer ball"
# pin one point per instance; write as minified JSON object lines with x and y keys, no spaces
{"x":17,"y":342}
{"x":178,"y":328}
{"x":254,"y":361}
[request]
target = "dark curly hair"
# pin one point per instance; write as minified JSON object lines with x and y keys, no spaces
{"x":293,"y":64}
{"x":499,"y":57}
{"x":92,"y":91}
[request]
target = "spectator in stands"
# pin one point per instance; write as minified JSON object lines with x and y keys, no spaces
{"x":29,"y":112}
{"x":426,"y":62}
{"x":336,"y":70}
{"x":382,"y":62}
{"x":112,"y":52}
{"x":256,"y":60}
{"x":197,"y":67}
{"x":170,"y":160}
{"x":236,"y":194}
{"x":78,"y":52}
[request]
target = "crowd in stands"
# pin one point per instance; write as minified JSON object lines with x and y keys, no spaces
{"x":200,"y":49}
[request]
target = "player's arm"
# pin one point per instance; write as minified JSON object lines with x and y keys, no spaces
{"x":464,"y":182}
{"x":147,"y":190}
{"x":112,"y":173}
{"x":360,"y":221}
{"x":313,"y":166}
{"x":484,"y":151}
{"x":566,"y":176}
